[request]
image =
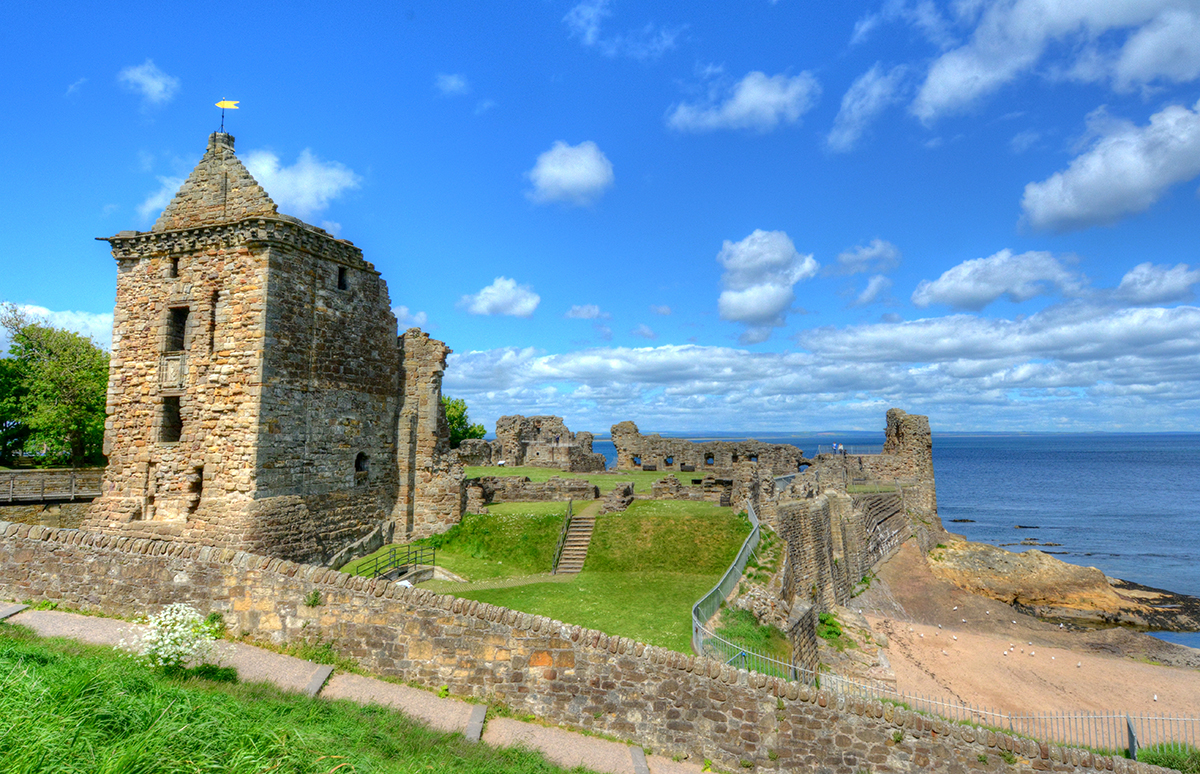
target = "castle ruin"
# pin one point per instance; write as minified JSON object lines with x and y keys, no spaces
{"x":542,"y":441}
{"x":653,"y":452}
{"x":259,"y":397}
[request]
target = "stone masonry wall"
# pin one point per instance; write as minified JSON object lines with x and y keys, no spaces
{"x":546,"y":442}
{"x":636,"y":451}
{"x":519,"y":489}
{"x":561,"y":673}
{"x":431,"y":495}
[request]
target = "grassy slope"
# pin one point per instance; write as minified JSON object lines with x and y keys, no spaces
{"x":513,"y":539}
{"x":642,"y":480}
{"x":645,"y":569}
{"x":74,"y":708}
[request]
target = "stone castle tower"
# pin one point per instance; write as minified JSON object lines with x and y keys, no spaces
{"x":259,"y":397}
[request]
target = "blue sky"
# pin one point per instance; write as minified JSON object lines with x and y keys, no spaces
{"x":752,"y":216}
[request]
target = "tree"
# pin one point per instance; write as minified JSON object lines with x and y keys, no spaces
{"x":460,"y":425}
{"x":13,"y":431}
{"x":63,"y":378}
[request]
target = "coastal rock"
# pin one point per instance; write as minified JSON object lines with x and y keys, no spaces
{"x":1038,"y":584}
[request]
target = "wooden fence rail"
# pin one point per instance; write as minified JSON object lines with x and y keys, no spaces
{"x":35,"y":486}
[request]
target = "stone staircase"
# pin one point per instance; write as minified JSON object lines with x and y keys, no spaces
{"x":579,"y":537}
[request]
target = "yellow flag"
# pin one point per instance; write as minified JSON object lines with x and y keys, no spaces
{"x":228,"y":103}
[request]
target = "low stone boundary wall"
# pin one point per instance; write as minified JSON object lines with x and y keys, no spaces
{"x":519,"y":489}
{"x":564,"y":674}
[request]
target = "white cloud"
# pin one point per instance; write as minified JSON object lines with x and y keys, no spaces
{"x":1126,"y":170}
{"x":75,"y":87}
{"x":758,"y":101}
{"x":97,"y":327}
{"x":760,"y":272}
{"x":648,"y":42}
{"x":644,"y":331}
{"x":405,"y":318}
{"x":1023,"y":141}
{"x":584,"y":312}
{"x":662,"y":309}
{"x":451,"y":84}
{"x":484,"y":105}
{"x":1168,"y":48}
{"x":155,"y":86}
{"x":603,"y":332}
{"x":866,"y":98}
{"x":877,"y":287}
{"x":976,"y":283}
{"x":305,"y":188}
{"x":503,"y":296}
{"x":1150,"y":284}
{"x":1131,"y":43}
{"x":1118,"y":367}
{"x":923,"y":15}
{"x":156,"y":202}
{"x":878,"y":256}
{"x":573,"y":174}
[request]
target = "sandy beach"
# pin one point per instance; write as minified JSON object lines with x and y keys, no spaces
{"x":945,"y":642}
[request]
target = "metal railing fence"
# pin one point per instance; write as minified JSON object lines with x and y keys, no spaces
{"x":399,"y":558}
{"x":856,"y":450}
{"x":562,"y":539}
{"x":1112,"y":732}
{"x":706,"y":607}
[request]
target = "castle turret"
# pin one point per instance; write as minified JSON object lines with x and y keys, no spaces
{"x":255,"y":384}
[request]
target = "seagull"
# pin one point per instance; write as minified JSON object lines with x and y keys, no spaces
{"x":944,"y":653}
{"x":1005,"y":653}
{"x":1156,"y":697}
{"x":1078,"y":664}
{"x":1031,"y":652}
{"x":1014,"y":621}
{"x":989,"y":612}
{"x":955,"y":636}
{"x":921,"y":635}
{"x":964,"y":620}
{"x":939,"y":626}
{"x":956,"y":607}
{"x":1052,"y":658}
{"x":1031,"y":643}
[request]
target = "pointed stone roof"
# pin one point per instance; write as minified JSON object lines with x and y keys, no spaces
{"x":219,"y":190}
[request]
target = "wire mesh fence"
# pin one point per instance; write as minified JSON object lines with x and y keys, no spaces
{"x":1111,"y":732}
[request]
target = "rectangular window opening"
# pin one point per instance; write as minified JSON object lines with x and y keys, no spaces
{"x":171,"y":427}
{"x":173,"y":269}
{"x":342,"y":282}
{"x":212,"y":322}
{"x":176,"y":329}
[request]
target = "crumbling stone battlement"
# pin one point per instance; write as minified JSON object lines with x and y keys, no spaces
{"x":542,"y":441}
{"x":653,"y":452}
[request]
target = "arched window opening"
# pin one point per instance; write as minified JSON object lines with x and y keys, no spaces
{"x":362,"y":469}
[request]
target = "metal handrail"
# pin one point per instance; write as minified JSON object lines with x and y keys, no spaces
{"x":562,"y":539}
{"x":394,"y":558}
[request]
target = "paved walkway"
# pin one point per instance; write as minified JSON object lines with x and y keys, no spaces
{"x":563,"y":747}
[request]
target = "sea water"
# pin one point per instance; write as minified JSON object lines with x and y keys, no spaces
{"x":1127,"y":504}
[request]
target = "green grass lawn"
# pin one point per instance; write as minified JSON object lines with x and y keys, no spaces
{"x":513,"y":539}
{"x":645,"y":569}
{"x":642,"y":480}
{"x":650,"y":607}
{"x":82,"y":709}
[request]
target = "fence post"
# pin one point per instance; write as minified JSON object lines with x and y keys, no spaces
{"x":1133,"y":742}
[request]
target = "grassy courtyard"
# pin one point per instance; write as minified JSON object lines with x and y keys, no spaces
{"x":646,"y":566}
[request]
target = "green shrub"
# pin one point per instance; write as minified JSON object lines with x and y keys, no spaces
{"x":1183,"y":757}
